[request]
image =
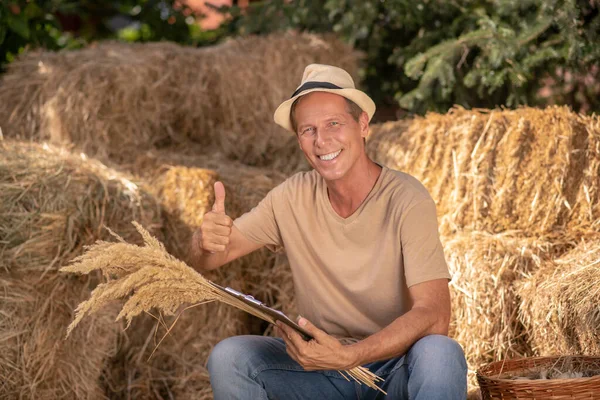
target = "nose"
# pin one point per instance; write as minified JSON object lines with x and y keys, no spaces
{"x":320,"y":138}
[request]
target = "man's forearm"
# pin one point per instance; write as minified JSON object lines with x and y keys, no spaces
{"x":396,"y":338}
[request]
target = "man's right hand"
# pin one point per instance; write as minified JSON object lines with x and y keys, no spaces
{"x":214,"y":234}
{"x":218,"y":241}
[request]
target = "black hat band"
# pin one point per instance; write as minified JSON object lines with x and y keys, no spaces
{"x":314,"y":85}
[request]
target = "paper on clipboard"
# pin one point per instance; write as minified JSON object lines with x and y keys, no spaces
{"x":257,"y":304}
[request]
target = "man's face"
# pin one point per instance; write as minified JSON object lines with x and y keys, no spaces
{"x":330,"y":138}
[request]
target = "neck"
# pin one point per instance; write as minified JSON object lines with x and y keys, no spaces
{"x":348,"y":193}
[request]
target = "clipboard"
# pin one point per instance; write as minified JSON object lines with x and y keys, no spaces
{"x":257,"y":304}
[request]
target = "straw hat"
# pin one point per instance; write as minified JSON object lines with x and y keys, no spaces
{"x":324,"y":78}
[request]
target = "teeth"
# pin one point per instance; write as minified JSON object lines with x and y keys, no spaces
{"x":330,"y":156}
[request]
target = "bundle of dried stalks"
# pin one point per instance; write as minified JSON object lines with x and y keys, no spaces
{"x":496,"y":170}
{"x":485,"y":271}
{"x":560,"y":303}
{"x":153,"y":279}
{"x":52,"y":203}
{"x":113,"y":99}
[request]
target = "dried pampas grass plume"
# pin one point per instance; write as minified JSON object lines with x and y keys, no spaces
{"x":152,"y":278}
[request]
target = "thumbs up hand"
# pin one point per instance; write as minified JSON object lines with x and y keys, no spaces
{"x":215,"y":231}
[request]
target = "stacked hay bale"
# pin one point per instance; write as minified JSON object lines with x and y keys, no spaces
{"x":485,"y":302}
{"x":560,"y":303}
{"x":113,"y":99}
{"x":514,"y":189}
{"x":528,"y":169}
{"x":53,"y":203}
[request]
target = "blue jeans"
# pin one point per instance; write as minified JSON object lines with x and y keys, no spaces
{"x":258,"y":367}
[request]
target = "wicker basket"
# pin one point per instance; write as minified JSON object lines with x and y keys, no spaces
{"x":497,"y":380}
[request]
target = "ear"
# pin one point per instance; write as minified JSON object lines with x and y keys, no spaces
{"x":363,"y":121}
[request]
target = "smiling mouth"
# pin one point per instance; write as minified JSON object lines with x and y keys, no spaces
{"x":330,"y":156}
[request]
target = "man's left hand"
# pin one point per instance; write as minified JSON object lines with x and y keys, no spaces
{"x":324,"y":352}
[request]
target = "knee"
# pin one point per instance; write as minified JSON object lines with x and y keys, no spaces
{"x":438,"y":352}
{"x":226,"y":355}
{"x":437,"y":366}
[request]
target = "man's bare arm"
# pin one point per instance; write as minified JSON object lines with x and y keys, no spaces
{"x":430,"y":314}
{"x":218,"y":241}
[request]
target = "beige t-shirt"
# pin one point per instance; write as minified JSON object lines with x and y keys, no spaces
{"x":351,"y":275}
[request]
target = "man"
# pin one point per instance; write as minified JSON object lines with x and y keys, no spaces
{"x":370,"y":277}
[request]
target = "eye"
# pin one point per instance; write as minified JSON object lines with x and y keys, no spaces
{"x":307,"y":130}
{"x":333,"y":123}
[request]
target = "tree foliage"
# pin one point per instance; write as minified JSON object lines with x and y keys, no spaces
{"x":25,"y":23}
{"x":57,"y":24}
{"x":420,"y":54}
{"x":432,"y":54}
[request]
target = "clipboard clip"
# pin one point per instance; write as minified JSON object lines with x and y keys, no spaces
{"x":246,"y":296}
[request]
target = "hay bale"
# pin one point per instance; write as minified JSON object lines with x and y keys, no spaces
{"x":52,"y":203}
{"x":187,"y":193}
{"x":36,"y":361}
{"x":184,"y":186}
{"x":113,"y":99}
{"x":560,"y":303}
{"x":496,"y":170}
{"x":485,"y":270}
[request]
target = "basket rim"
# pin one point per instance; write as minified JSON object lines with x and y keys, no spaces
{"x":481,"y":376}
